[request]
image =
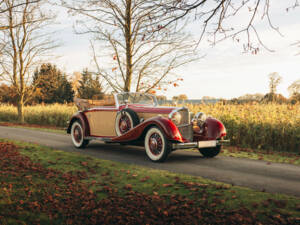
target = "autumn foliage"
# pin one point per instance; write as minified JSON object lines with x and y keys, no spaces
{"x":35,"y":194}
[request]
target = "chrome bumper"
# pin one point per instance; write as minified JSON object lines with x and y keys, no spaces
{"x":200,"y":144}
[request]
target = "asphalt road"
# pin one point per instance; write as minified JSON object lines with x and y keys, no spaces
{"x":259,"y":175}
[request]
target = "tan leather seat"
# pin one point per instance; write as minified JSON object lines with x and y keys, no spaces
{"x":84,"y":104}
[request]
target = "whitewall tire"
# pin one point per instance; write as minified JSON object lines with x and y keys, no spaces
{"x":125,"y":121}
{"x":77,"y":135}
{"x":156,"y":144}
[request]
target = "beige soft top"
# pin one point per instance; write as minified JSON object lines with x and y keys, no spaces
{"x":84,"y":104}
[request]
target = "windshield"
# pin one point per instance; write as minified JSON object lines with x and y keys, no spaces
{"x":136,"y":98}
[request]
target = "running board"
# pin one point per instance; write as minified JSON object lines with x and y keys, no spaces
{"x":98,"y":139}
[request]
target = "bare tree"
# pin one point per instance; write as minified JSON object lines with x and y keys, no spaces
{"x":131,"y":49}
{"x":222,"y":19}
{"x":5,"y":8}
{"x":297,"y":44}
{"x":274,"y":81}
{"x":24,"y":43}
{"x":294,"y":88}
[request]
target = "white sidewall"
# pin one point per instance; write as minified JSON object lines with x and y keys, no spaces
{"x":147,"y":147}
{"x":118,"y":117}
{"x":72,"y":134}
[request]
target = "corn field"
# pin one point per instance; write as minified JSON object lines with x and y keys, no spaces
{"x":269,"y":126}
{"x":52,"y":115}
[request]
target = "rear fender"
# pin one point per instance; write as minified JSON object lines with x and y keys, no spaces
{"x":166,"y":125}
{"x":214,"y":128}
{"x":79,"y":116}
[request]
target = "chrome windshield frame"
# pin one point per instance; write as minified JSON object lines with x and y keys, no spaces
{"x":155,"y":103}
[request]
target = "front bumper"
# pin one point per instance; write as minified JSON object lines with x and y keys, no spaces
{"x":200,"y":144}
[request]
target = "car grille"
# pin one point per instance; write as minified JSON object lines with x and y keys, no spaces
{"x":185,"y":127}
{"x":185,"y":118}
{"x":186,"y":131}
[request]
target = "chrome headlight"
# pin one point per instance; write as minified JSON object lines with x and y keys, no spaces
{"x":199,"y":119}
{"x":175,"y":117}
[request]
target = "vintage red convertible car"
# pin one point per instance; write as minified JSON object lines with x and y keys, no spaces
{"x":137,"y":119}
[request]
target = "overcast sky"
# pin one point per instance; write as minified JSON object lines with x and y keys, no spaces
{"x":224,"y":72}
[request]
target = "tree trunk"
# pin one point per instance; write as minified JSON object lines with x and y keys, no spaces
{"x":20,"y":106}
{"x":128,"y":47}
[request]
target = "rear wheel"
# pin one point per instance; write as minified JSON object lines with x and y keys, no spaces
{"x":156,"y":144}
{"x":210,"y":152}
{"x":77,"y":135}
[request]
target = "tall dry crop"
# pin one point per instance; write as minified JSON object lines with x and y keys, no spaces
{"x":258,"y":126}
{"x":262,"y":126}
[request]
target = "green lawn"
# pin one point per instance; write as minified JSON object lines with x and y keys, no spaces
{"x":41,"y":185}
{"x":269,"y":156}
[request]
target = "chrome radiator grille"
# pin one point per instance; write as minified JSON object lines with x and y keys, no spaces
{"x":186,"y":131}
{"x":185,"y":127}
{"x":185,"y":118}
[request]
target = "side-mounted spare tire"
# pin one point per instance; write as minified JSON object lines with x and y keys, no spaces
{"x":126,"y":119}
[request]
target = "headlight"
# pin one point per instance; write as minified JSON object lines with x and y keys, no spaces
{"x":199,"y":119}
{"x":176,"y":118}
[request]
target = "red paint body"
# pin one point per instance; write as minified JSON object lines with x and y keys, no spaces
{"x":84,"y":122}
{"x":166,"y":125}
{"x":214,"y":129}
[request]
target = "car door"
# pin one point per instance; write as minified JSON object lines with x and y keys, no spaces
{"x":102,"y":122}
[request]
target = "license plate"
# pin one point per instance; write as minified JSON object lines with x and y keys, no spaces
{"x":207,"y":144}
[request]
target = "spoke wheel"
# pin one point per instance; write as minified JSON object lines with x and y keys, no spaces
{"x":126,"y":119}
{"x":125,"y":123}
{"x":77,"y":135}
{"x":156,"y":145}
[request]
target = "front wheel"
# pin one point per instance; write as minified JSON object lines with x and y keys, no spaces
{"x":210,"y":152}
{"x":77,"y":135}
{"x":156,"y":144}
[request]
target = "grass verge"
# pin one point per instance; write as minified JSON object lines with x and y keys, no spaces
{"x":42,"y":185}
{"x":268,"y":156}
{"x":51,"y":129}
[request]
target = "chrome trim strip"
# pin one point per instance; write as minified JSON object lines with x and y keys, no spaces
{"x":184,"y":145}
{"x":120,"y":93}
{"x":116,"y":101}
{"x":200,"y":144}
{"x":103,"y":108}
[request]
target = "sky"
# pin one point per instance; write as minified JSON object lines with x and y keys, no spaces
{"x":225,"y":71}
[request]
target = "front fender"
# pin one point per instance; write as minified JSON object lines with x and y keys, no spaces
{"x":83,"y":120}
{"x":167,"y":126}
{"x":214,"y":128}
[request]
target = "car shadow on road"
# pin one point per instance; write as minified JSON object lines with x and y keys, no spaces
{"x":136,"y":153}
